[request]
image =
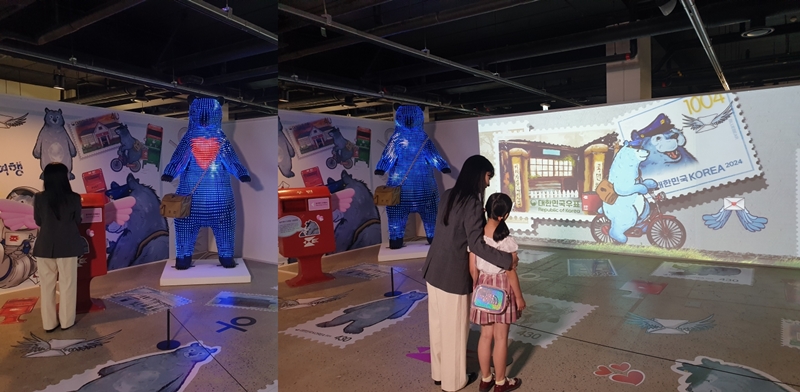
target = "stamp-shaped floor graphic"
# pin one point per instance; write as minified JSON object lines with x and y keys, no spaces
{"x":170,"y":371}
{"x":227,"y":299}
{"x":790,"y":333}
{"x":707,"y":273}
{"x":147,"y":300}
{"x":553,"y":316}
{"x":348,"y":325}
{"x":367,"y":271}
{"x":710,"y":374}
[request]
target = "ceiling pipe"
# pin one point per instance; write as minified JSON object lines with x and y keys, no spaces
{"x":231,"y":20}
{"x":336,"y":9}
{"x":419,"y":54}
{"x":218,"y":55}
{"x":139,"y":80}
{"x":730,"y":13}
{"x":76,"y":25}
{"x":404,"y":26}
{"x":379,"y":95}
{"x":700,"y":29}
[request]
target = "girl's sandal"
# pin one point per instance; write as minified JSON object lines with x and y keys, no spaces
{"x":510,"y":385}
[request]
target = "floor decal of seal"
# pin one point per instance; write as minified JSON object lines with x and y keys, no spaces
{"x":348,"y":325}
{"x":37,"y":347}
{"x":147,"y":300}
{"x":710,"y":374}
{"x":160,"y":371}
{"x":670,"y":327}
{"x":707,"y":273}
{"x":621,"y":373}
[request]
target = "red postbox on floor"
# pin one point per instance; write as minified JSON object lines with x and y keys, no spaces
{"x":305,"y":231}
{"x":93,"y":230}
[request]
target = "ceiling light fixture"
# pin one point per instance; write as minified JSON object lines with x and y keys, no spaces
{"x":141,"y":96}
{"x":283,"y":96}
{"x":59,"y":81}
{"x":758,"y":28}
{"x":545,"y":106}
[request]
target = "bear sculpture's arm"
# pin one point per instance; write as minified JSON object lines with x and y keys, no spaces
{"x":231,"y":162}
{"x":434,"y":158}
{"x":179,"y":161}
{"x":389,"y":155}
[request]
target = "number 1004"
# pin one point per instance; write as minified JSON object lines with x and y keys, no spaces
{"x":696,"y":104}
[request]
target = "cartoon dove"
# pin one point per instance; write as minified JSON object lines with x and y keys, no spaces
{"x":308,"y":302}
{"x":703,"y":124}
{"x":16,"y":215}
{"x":38,"y":348}
{"x":670,"y":327}
{"x":12,"y":121}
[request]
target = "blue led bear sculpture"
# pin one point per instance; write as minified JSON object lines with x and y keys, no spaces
{"x":418,"y":190}
{"x":201,"y":159}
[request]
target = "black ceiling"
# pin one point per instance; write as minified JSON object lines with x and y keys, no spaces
{"x":558,"y":46}
{"x":168,"y":49}
{"x":119,"y":47}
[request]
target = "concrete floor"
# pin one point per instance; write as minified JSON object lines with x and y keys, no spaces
{"x":747,"y":330}
{"x":247,"y":360}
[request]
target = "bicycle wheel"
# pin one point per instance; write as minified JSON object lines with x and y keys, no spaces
{"x":347,"y":164}
{"x":330,"y":163}
{"x":136,"y":166}
{"x":667,"y":232}
{"x":116,"y":164}
{"x":600,"y":227}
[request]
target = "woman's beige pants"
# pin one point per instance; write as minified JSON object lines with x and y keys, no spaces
{"x":65,"y":271}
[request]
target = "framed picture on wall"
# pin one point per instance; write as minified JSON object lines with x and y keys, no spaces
{"x":96,"y":134}
{"x":312,"y":137}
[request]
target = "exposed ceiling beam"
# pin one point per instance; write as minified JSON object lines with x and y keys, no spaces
{"x":342,"y":107}
{"x":419,"y":54}
{"x":432,"y":19}
{"x":336,"y":10}
{"x":13,"y":7}
{"x":69,"y":28}
{"x":218,"y":55}
{"x":700,"y":29}
{"x":381,"y":95}
{"x":232,"y":20}
{"x":241,"y":75}
{"x":150,"y":103}
{"x":112,"y":74}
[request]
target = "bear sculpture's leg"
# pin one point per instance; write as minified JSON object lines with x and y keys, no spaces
{"x":398,"y":217}
{"x":428,"y":215}
{"x":186,"y":232}
{"x":223,"y":231}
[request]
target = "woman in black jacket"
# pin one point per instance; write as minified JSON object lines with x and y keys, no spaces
{"x":57,"y":212}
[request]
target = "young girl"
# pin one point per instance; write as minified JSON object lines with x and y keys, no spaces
{"x":496,"y":234}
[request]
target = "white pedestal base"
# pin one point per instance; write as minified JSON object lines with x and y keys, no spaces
{"x":204,"y":272}
{"x":410,"y":250}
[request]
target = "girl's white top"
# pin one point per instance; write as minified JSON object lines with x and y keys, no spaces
{"x":506,"y":245}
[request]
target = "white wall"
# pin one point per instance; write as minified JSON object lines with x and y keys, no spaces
{"x":255,"y":142}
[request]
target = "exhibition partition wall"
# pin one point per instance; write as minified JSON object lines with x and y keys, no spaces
{"x":711,"y":177}
{"x":340,"y":152}
{"x":121,"y":153}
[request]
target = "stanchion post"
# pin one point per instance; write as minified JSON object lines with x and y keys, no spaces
{"x":168,"y":344}
{"x":392,"y":293}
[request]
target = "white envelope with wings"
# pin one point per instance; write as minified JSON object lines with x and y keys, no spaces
{"x":733,"y":204}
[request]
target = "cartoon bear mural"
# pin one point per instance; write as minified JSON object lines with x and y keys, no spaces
{"x":145,"y":237}
{"x":160,"y":372}
{"x":369,"y":314}
{"x":418,"y":190}
{"x":666,"y":145}
{"x":630,"y":206}
{"x":360,"y":225}
{"x":53,"y":143}
{"x":129,"y":147}
{"x":285,"y":153}
{"x":202,"y":156}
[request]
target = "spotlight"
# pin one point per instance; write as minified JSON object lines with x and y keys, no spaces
{"x":348,"y":101}
{"x":283,"y":96}
{"x":758,"y":28}
{"x":59,"y":82}
{"x":545,"y":106}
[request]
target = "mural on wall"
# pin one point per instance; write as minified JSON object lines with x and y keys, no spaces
{"x":163,"y":371}
{"x":103,"y":149}
{"x":409,"y":160}
{"x":710,"y":374}
{"x":205,"y":148}
{"x":333,"y":152}
{"x":628,"y":171}
{"x":36,"y":347}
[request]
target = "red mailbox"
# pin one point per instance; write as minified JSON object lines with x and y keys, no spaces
{"x":93,"y":230}
{"x":305,"y":231}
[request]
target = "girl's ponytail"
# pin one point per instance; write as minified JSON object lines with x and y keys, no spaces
{"x":499,"y":205}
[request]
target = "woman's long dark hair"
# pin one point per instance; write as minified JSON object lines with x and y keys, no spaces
{"x":471,"y":182}
{"x":497,"y":206}
{"x":56,"y":187}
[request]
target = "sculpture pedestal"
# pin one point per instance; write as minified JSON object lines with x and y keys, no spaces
{"x":207,"y":271}
{"x":411,"y":250}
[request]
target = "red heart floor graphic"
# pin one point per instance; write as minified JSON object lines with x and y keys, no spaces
{"x":602,"y":371}
{"x":634,"y":377}
{"x":623,"y":367}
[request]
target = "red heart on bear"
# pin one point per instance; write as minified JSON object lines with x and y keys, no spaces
{"x":621,"y":367}
{"x":634,"y":377}
{"x":602,"y":371}
{"x":205,"y":151}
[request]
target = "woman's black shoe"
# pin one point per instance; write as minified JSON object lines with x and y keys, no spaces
{"x":51,"y":330}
